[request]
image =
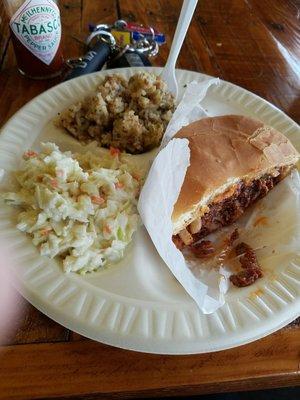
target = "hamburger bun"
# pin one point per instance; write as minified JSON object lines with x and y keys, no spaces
{"x":224,"y":151}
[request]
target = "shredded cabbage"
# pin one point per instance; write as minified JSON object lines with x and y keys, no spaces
{"x":80,"y":207}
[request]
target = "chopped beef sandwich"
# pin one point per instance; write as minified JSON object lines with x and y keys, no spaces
{"x":234,"y":161}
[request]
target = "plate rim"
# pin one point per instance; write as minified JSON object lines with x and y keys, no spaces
{"x":123,"y":343}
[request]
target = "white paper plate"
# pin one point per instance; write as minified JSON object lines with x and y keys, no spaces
{"x":138,"y":304}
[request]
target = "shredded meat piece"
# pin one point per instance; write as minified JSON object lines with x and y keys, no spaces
{"x":203,"y":249}
{"x":248,"y":257}
{"x":251,"y":269}
{"x":246,"y":277}
{"x":233,"y":237}
{"x":228,"y":245}
{"x":242,"y":248}
{"x":178,"y":242}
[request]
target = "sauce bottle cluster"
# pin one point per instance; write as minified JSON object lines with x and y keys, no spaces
{"x":36,"y":35}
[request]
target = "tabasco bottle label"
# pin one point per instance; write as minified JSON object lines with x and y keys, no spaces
{"x":37,"y":26}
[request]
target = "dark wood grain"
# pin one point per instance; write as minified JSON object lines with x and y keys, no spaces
{"x":71,"y":16}
{"x":89,"y":368}
{"x":4,"y":34}
{"x":34,"y":327}
{"x":98,"y":12}
{"x":246,"y":52}
{"x":253,"y":43}
{"x":283,"y":24}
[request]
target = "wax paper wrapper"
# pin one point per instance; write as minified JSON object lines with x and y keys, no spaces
{"x":262,"y":227}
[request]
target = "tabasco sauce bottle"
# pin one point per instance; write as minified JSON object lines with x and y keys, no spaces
{"x":36,"y":35}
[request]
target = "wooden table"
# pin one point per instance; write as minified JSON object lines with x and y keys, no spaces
{"x":253,"y":43}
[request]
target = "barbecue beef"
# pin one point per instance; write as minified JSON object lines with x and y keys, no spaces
{"x":228,"y":210}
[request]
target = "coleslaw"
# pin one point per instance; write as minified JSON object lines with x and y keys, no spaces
{"x":80,"y":207}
